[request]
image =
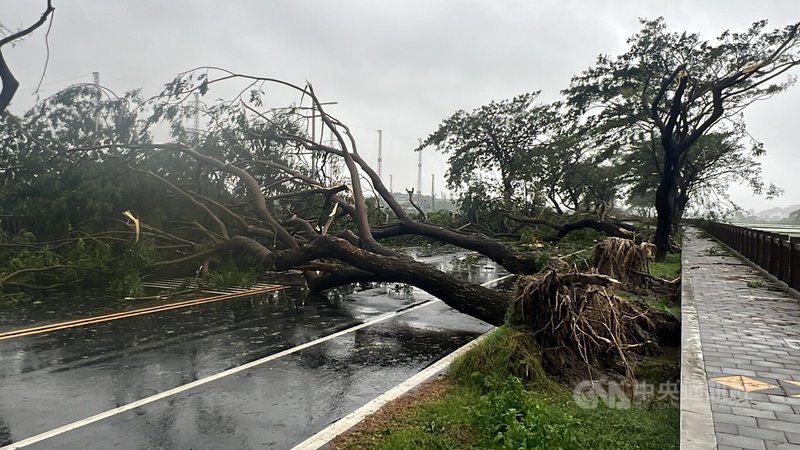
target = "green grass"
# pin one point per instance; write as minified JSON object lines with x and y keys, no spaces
{"x":487,"y":407}
{"x":669,"y":269}
{"x":656,"y":301}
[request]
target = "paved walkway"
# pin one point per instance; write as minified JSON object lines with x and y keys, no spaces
{"x":750,"y":339}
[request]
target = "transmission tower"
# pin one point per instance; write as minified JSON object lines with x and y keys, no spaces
{"x":419,"y":174}
{"x":196,"y":118}
{"x":380,"y":154}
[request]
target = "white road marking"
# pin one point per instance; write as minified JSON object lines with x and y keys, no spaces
{"x":170,"y":392}
{"x":347,"y":422}
{"x":497,"y":280}
{"x":354,"y":418}
{"x":177,"y":390}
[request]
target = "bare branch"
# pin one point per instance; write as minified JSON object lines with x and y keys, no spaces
{"x":10,"y":84}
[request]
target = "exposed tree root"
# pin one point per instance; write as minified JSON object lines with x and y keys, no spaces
{"x":622,"y":259}
{"x":578,"y":321}
{"x":629,"y":263}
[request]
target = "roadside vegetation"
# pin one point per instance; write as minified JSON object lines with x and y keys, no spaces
{"x":515,"y":390}
{"x":494,"y":398}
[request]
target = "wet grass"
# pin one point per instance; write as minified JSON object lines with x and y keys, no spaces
{"x":669,"y":269}
{"x":497,"y":398}
{"x":660,"y":302}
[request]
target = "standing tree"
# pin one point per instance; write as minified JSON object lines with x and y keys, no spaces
{"x":680,"y":87}
{"x":712,"y":164}
{"x":497,"y":148}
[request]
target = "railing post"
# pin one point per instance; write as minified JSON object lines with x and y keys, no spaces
{"x":775,"y":255}
{"x":786,"y":258}
{"x":746,"y":244}
{"x":739,"y":241}
{"x":767,"y":250}
{"x":794,"y":262}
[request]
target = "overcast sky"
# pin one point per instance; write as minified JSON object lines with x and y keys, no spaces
{"x":399,"y":66}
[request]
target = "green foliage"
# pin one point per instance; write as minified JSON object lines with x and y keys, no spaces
{"x":657,"y":99}
{"x":505,"y":351}
{"x":79,"y":159}
{"x":712,"y":164}
{"x":755,"y":283}
{"x":497,"y":137}
{"x":517,"y":155}
{"x":446,"y":219}
{"x":231,"y":275}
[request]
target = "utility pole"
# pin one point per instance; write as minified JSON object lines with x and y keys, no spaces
{"x":419,"y":174}
{"x":380,"y":154}
{"x":97,"y":97}
{"x":433,"y":195}
{"x":391,"y":186}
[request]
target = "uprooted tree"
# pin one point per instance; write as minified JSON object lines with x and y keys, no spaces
{"x":252,"y":185}
{"x":245,"y":184}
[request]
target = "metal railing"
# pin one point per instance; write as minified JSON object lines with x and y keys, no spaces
{"x":778,"y":254}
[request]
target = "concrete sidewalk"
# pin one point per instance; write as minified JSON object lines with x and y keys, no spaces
{"x":748,"y":353}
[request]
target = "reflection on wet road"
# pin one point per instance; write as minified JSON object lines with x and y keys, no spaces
{"x":47,"y":381}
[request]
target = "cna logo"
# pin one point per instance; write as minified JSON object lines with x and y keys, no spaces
{"x":590,"y":394}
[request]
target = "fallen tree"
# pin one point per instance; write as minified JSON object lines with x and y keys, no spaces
{"x":607,"y":225}
{"x":233,"y":192}
{"x":255,"y":187}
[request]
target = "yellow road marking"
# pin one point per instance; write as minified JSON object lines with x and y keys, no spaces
{"x":136,"y":312}
{"x":743,"y":383}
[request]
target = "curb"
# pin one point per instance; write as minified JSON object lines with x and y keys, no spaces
{"x":325,"y":436}
{"x":697,"y":425}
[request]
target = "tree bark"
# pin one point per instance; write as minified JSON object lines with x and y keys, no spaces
{"x":609,"y":227}
{"x":666,"y":196}
{"x":466,"y":297}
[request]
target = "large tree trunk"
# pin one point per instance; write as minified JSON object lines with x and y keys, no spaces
{"x":681,"y":201}
{"x":666,"y":197}
{"x":466,"y":297}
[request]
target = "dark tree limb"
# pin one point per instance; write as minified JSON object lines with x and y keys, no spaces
{"x":422,"y":216}
{"x":223,"y":230}
{"x":610,"y":227}
{"x":10,"y":84}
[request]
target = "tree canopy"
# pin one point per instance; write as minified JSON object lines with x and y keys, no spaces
{"x":676,"y":88}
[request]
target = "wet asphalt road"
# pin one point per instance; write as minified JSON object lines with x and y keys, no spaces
{"x":50,"y":380}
